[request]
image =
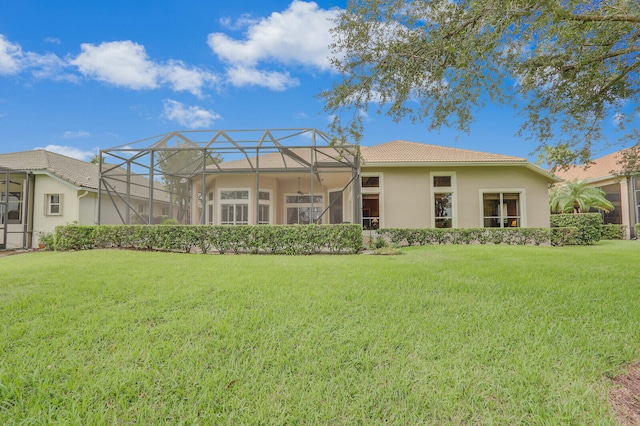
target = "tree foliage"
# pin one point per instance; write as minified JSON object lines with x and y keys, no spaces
{"x":576,"y":196}
{"x":569,"y":67}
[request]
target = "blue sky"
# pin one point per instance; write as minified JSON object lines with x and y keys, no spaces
{"x":79,"y":76}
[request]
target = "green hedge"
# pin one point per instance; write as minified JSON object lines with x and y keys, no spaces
{"x":588,"y":225}
{"x":613,"y":232}
{"x":637,"y":227}
{"x":424,"y":236}
{"x":565,"y":236}
{"x":286,"y":239}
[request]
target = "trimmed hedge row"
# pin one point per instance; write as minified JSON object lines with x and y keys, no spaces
{"x":588,"y":225}
{"x":613,"y":232}
{"x":284,"y":239}
{"x":424,"y":236}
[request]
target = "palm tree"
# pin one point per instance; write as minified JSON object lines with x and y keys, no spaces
{"x":576,"y":196}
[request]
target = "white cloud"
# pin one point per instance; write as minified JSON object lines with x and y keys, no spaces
{"x":182,"y":78}
{"x":247,"y":76}
{"x":121,"y":63}
{"x":126,"y":64}
{"x":189,"y":116}
{"x":52,"y":40}
{"x":10,"y":57}
{"x":71,"y":151}
{"x":245,"y":20}
{"x":76,"y":135}
{"x":298,"y":36}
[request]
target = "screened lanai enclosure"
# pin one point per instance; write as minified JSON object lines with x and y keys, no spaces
{"x":231,"y":177}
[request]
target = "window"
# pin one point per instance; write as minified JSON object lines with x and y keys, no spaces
{"x":264,"y":207}
{"x":141,"y":207}
{"x":443,"y":199}
{"x":234,"y":207}
{"x":14,"y":206}
{"x":501,"y":209}
{"x":443,"y":209}
{"x":371,"y":201}
{"x":612,"y":193}
{"x":299,"y":209}
{"x":53,"y":204}
{"x":209,"y":204}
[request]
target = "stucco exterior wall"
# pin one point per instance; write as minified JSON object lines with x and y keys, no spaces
{"x":407,"y":194}
{"x":43,"y":222}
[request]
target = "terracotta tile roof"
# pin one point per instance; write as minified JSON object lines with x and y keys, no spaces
{"x":601,"y":168}
{"x":76,"y":172}
{"x":399,"y":151}
{"x":291,"y":159}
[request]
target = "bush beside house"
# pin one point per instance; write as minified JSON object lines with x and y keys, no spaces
{"x":283,"y":239}
{"x":588,"y":224}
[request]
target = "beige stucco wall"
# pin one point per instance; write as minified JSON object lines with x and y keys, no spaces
{"x":407,"y":194}
{"x":280,"y":185}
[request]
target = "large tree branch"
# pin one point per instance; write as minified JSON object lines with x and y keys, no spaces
{"x":604,"y":18}
{"x":621,"y":52}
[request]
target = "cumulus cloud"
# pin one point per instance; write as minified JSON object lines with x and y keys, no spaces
{"x":121,"y":63}
{"x":247,"y":76}
{"x":245,"y":20}
{"x":126,"y":64}
{"x":189,"y":116}
{"x":298,"y":36}
{"x":71,"y":151}
{"x":10,"y":57}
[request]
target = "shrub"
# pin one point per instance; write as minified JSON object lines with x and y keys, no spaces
{"x":613,"y":232}
{"x":424,"y":236}
{"x":565,"y":236}
{"x":288,"y":239}
{"x":588,"y":225}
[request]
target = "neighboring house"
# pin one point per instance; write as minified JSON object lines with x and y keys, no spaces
{"x":622,"y":192}
{"x":46,"y":190}
{"x":397,"y":184}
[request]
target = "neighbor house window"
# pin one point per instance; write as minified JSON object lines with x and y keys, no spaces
{"x":234,"y":207}
{"x":501,"y":210}
{"x":300,"y":211}
{"x":443,"y":199}
{"x":264,"y":207}
{"x":53,"y":204}
{"x":371,"y":201}
{"x":14,"y":206}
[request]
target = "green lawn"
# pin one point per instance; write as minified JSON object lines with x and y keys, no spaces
{"x":439,"y":335}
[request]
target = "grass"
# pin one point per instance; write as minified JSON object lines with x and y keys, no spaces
{"x":440,"y":335}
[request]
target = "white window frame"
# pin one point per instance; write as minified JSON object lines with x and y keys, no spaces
{"x":320,"y":206}
{"x":268,"y":203}
{"x":453,"y":190}
{"x":522,"y":192}
{"x":379,"y":190}
{"x":48,"y":204}
{"x":234,"y":202}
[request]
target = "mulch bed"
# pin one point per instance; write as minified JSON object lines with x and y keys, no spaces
{"x":625,"y":397}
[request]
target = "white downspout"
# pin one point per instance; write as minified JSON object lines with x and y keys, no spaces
{"x":78,"y":212}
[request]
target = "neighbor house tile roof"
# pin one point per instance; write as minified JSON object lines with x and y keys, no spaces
{"x":76,"y":172}
{"x":603,"y":167}
{"x":399,"y":151}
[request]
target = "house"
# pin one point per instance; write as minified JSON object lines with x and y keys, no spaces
{"x":41,"y":190}
{"x":622,"y":192}
{"x":392,"y":185}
